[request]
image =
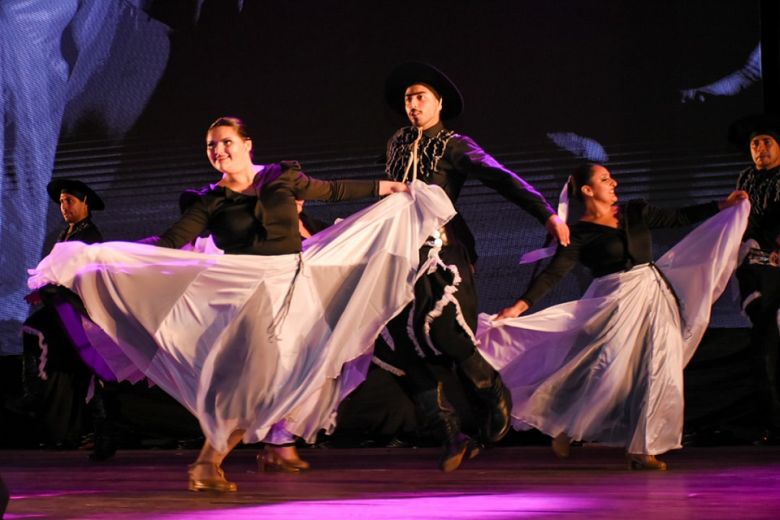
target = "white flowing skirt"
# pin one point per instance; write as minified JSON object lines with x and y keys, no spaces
{"x":609,"y":367}
{"x":231,"y":337}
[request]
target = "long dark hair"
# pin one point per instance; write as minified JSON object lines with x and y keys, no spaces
{"x":581,"y":177}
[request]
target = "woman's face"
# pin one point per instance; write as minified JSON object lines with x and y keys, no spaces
{"x":227,"y":151}
{"x":601,"y":187}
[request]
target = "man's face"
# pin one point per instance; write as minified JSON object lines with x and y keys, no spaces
{"x":765,"y":152}
{"x":422,"y":106}
{"x":73,"y":210}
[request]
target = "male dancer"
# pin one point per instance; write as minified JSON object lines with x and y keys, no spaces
{"x":55,"y":380}
{"x":759,"y":274}
{"x":441,"y":320}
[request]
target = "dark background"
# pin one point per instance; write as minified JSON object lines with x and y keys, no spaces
{"x":305,"y":73}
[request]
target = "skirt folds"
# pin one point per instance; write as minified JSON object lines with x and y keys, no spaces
{"x":608,"y":367}
{"x":245,"y":342}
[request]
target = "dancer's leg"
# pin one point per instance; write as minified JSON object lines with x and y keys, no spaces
{"x":206,"y":472}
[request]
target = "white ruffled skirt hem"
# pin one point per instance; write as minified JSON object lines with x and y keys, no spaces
{"x":231,"y":337}
{"x":608,"y":367}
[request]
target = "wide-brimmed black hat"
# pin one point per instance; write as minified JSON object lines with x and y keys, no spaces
{"x":745,"y":128}
{"x":403,"y":76}
{"x":77,"y":189}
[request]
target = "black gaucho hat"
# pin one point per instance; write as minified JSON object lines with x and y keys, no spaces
{"x":745,"y":128}
{"x":76,"y":188}
{"x":403,"y":76}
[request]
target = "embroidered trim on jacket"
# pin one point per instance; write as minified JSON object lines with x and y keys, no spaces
{"x":430,"y":150}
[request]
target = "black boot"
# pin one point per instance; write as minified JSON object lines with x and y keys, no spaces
{"x":30,"y":401}
{"x":101,"y":407}
{"x":5,"y":496}
{"x":490,"y":390}
{"x":441,"y":416}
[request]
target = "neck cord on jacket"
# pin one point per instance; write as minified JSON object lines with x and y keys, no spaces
{"x":413,"y":158}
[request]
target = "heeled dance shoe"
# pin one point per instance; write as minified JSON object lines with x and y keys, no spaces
{"x":637,"y":461}
{"x":473,"y":449}
{"x":218,"y":483}
{"x":271,"y":461}
{"x":561,"y":445}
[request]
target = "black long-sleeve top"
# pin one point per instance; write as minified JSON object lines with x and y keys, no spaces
{"x":448,"y":159}
{"x":763,"y":188}
{"x":84,"y":231}
{"x":263,"y":223}
{"x":605,"y":250}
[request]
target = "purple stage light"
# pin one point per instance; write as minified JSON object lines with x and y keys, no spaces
{"x":450,"y":507}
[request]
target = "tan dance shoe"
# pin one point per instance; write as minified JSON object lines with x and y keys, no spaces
{"x":561,"y":444}
{"x":216,"y":482}
{"x":269,"y":460}
{"x":638,"y":461}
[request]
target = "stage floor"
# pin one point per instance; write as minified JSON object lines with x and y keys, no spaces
{"x":377,"y":484}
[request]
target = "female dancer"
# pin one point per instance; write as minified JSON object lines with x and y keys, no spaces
{"x":608,"y":367}
{"x":257,"y":348}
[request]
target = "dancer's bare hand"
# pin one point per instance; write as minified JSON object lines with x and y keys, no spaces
{"x":514,"y":311}
{"x":733,"y":198}
{"x":388,"y":187}
{"x":34,"y":298}
{"x":558,"y":229}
